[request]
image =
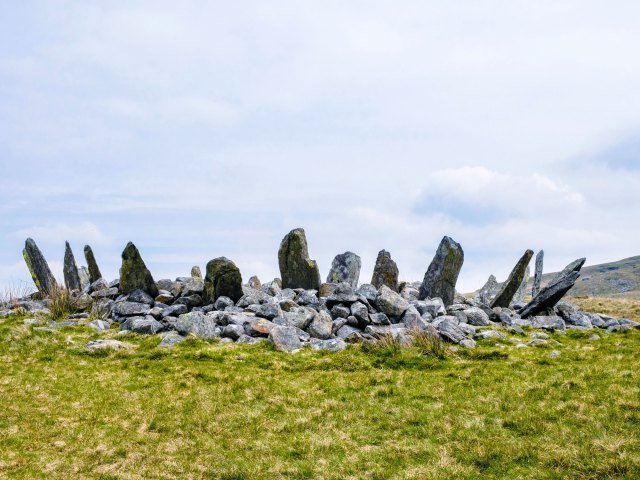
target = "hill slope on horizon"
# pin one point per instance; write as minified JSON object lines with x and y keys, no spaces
{"x":615,"y":279}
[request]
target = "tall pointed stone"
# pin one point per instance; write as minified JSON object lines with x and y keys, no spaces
{"x":296,"y":270}
{"x":518,"y":298}
{"x":385,"y":272}
{"x":38,"y":267}
{"x":222,"y":279}
{"x":70,"y":269}
{"x":489,"y":290}
{"x":442,"y":274}
{"x":550,"y":295}
{"x":537,"y":277}
{"x":134,"y":274}
{"x":511,"y":286}
{"x":345,"y":268}
{"x":94,"y":271}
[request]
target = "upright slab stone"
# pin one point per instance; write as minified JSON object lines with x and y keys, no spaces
{"x":518,"y":298}
{"x":222,"y":279}
{"x":511,"y":286}
{"x":550,"y":295}
{"x":442,"y":274}
{"x":94,"y":271}
{"x":134,"y":274}
{"x":83,"y":273}
{"x":38,"y":267}
{"x":345,"y":268}
{"x":537,"y":277}
{"x":489,"y":290}
{"x":296,"y":269}
{"x":385,"y":272}
{"x":70,"y":269}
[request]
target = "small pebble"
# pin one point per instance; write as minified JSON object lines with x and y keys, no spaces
{"x":554,"y":354}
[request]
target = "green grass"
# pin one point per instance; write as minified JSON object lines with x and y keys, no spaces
{"x":203,"y":410}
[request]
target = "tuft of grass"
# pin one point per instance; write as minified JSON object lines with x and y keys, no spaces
{"x":14,"y":292}
{"x":61,"y":303}
{"x":429,"y":344}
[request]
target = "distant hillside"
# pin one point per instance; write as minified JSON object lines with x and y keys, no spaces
{"x":616,"y":279}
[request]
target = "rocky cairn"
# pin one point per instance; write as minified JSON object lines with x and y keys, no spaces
{"x":302,"y":312}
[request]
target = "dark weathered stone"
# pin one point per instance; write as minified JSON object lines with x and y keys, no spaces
{"x":442,"y":274}
{"x":296,"y":269}
{"x":222,"y":279}
{"x":94,"y":271}
{"x":511,"y":286}
{"x":70,"y":269}
{"x":134,"y":274}
{"x":574,"y":266}
{"x":489,"y":290}
{"x":551,"y":294}
{"x":385,"y":272}
{"x":39,"y":268}
{"x":345,"y":268}
{"x":537,"y":277}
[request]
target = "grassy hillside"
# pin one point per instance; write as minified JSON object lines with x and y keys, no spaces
{"x":203,"y":410}
{"x":615,"y":279}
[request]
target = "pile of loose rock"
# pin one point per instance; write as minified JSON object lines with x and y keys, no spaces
{"x":299,"y":310}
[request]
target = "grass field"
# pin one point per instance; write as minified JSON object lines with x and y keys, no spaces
{"x":202,"y":410}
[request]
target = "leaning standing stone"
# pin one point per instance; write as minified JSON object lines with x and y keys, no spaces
{"x":134,"y":274}
{"x":537,"y":277}
{"x":70,"y":269}
{"x":442,"y":275}
{"x":223,"y":279}
{"x":385,"y":272}
{"x":550,"y":295}
{"x":510,"y":287}
{"x":345,"y":268}
{"x":39,"y":268}
{"x":296,"y":270}
{"x":518,"y":298}
{"x":94,"y":271}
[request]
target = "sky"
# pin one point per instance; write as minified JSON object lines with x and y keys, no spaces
{"x":206,"y":129}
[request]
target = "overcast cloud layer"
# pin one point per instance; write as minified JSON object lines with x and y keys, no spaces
{"x":200,"y":129}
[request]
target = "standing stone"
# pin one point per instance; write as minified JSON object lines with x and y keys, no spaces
{"x":385,"y":272}
{"x":70,"y":269}
{"x":94,"y":271}
{"x":39,"y":268}
{"x":537,"y":277}
{"x":550,"y":295}
{"x":345,"y":268}
{"x":296,"y":270}
{"x":83,"y":273}
{"x":134,"y":274}
{"x":442,"y":275}
{"x":223,"y":279}
{"x":196,"y":273}
{"x":489,"y":290}
{"x":518,"y":298}
{"x":511,"y":286}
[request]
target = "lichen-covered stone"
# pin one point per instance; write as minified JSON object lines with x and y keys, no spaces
{"x":285,"y":339}
{"x":518,"y":298}
{"x":385,"y":272}
{"x":296,"y":269}
{"x":196,"y":273}
{"x":345,"y":268}
{"x":489,"y":290}
{"x":513,"y":283}
{"x":83,"y":273}
{"x":92,"y":265}
{"x":70,"y":269}
{"x":442,"y":274}
{"x":222,"y":279}
{"x":38,"y":268}
{"x":134,"y":274}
